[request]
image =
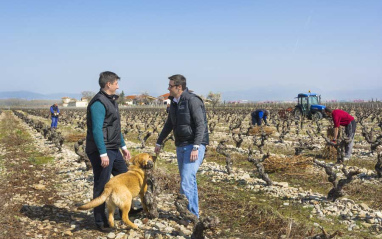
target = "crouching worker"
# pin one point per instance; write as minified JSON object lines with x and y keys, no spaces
{"x":342,"y":118}
{"x":258,"y":116}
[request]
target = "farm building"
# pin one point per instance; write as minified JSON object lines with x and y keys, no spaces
{"x":164,"y":98}
{"x":68,"y":102}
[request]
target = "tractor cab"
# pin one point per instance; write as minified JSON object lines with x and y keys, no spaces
{"x":309,"y":105}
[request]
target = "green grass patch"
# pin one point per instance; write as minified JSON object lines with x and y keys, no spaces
{"x":368,"y":164}
{"x":171,"y":168}
{"x":2,"y":166}
{"x":39,"y":160}
{"x":18,"y":142}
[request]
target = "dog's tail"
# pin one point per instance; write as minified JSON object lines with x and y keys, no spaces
{"x":97,"y":201}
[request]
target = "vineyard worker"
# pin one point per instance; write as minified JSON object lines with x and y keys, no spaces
{"x":54,"y":113}
{"x":258,"y":116}
{"x":187,"y":119}
{"x":342,"y":118}
{"x":103,"y":140}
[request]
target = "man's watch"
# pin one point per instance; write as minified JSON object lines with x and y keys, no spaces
{"x":195,"y":148}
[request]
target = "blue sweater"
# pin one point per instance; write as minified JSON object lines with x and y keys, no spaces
{"x":98,"y":113}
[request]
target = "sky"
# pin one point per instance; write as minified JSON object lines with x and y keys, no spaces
{"x":62,"y":46}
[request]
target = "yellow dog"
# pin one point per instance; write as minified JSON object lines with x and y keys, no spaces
{"x":121,"y":189}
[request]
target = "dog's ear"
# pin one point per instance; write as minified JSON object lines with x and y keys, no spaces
{"x":133,"y":159}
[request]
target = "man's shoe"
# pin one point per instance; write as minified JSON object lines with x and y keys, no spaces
{"x":106,"y":229}
{"x":184,"y":222}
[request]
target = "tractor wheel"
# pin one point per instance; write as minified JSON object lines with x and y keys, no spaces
{"x":297,"y":114}
{"x":317,"y":116}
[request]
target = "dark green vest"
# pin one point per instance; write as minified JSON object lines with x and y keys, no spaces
{"x":111,"y":128}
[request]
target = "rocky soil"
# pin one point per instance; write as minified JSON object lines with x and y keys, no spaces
{"x":44,"y":203}
{"x":41,"y":203}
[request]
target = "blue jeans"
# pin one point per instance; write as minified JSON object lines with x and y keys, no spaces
{"x":187,"y":171}
{"x":116,"y":166}
{"x":54,"y":122}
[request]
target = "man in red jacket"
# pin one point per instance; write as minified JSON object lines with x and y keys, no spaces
{"x":342,"y":118}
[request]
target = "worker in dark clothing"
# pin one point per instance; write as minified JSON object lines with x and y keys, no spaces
{"x":188,"y":121}
{"x":258,"y":116}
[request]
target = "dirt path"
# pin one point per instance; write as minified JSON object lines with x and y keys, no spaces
{"x":32,"y":208}
{"x":41,"y":199}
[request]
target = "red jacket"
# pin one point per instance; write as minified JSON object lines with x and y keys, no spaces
{"x":341,"y":117}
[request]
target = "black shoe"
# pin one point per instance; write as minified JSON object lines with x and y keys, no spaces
{"x":106,"y":229}
{"x":135,"y":211}
{"x":184,"y":222}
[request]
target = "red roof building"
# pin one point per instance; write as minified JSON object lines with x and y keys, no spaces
{"x":130,"y":97}
{"x":165,"y":96}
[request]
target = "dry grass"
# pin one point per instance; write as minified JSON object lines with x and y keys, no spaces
{"x":74,"y":137}
{"x":365,"y":192}
{"x":329,"y":152}
{"x":259,"y":130}
{"x":287,"y":164}
{"x":244,"y":215}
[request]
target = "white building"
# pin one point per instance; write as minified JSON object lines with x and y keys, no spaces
{"x":67,"y":102}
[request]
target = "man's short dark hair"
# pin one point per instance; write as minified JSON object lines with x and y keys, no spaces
{"x":107,"y":76}
{"x":179,"y":80}
{"x":328,"y":110}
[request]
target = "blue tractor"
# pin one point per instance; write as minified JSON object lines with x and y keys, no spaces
{"x":309,"y":106}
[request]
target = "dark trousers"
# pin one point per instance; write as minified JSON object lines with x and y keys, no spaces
{"x":350,"y":132}
{"x":102,"y":175}
{"x":257,"y":117}
{"x":256,"y":120}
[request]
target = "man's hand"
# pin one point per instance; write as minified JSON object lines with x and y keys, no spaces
{"x":194,"y":155}
{"x":126,"y":154}
{"x":105,"y":161}
{"x":157,"y":149}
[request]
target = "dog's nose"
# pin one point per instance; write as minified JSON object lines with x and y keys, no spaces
{"x":150,"y":164}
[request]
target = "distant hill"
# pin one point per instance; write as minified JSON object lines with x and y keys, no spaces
{"x":274,"y":93}
{"x":288,"y":93}
{"x":27,"y":95}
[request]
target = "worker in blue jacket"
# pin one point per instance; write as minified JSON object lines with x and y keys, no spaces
{"x":258,"y":116}
{"x":54,"y":113}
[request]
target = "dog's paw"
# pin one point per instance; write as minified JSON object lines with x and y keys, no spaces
{"x":138,"y":229}
{"x":135,"y":227}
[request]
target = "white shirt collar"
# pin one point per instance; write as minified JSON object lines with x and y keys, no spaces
{"x":176,"y":100}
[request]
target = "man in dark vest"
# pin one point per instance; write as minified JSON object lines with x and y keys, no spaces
{"x":187,"y":119}
{"x":103,"y":140}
